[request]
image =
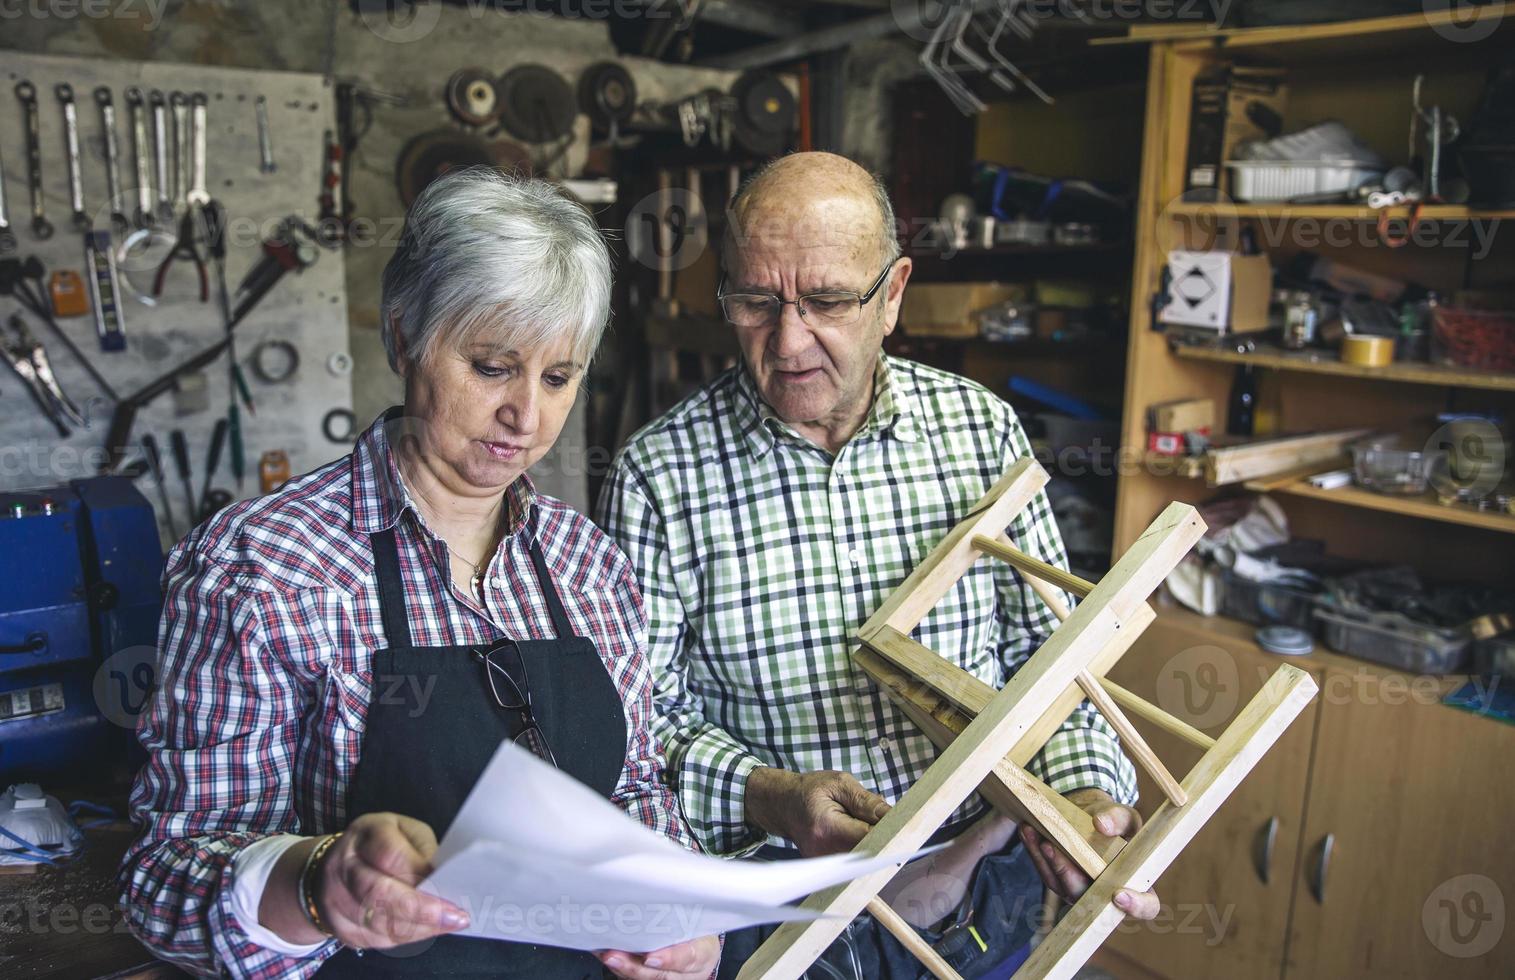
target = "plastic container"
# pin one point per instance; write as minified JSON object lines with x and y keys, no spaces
{"x":1393,"y":640}
{"x":1262,"y":604}
{"x":1483,"y":339}
{"x":1273,"y":180}
{"x":1396,"y":472}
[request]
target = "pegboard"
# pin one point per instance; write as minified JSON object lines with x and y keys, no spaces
{"x":307,"y":310}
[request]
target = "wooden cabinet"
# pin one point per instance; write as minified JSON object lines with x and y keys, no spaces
{"x":1227,"y":897}
{"x":1415,"y":800}
{"x":1372,"y":842}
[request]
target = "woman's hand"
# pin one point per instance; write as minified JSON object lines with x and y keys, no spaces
{"x":694,"y":960}
{"x":365,"y":889}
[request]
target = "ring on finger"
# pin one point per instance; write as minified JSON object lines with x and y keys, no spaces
{"x":368,"y":916}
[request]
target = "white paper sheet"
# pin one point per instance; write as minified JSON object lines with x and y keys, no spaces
{"x":535,"y":856}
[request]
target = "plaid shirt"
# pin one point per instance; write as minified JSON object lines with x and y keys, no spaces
{"x":270,"y":622}
{"x":760,"y":556}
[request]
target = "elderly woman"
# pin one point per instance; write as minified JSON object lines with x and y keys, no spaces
{"x":341,"y":659}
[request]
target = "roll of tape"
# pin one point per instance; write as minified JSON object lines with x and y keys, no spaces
{"x":1367,"y":351}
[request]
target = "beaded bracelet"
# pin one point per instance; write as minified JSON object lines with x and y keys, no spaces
{"x":307,"y":890}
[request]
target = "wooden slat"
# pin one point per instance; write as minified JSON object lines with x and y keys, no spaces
{"x":1012,"y":555}
{"x":1009,"y":789}
{"x":1156,"y":715}
{"x":911,"y":940}
{"x":965,"y":763}
{"x":955,"y":554}
{"x":1237,"y":464}
{"x":1095,"y":916}
{"x":1131,"y":740}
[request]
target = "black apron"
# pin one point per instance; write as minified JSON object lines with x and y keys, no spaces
{"x":433,"y":726}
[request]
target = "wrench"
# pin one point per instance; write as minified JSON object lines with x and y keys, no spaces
{"x":118,"y":221}
{"x":138,"y":113}
{"x":7,"y":237}
{"x":179,"y":103}
{"x":265,"y":138}
{"x":27,"y":93}
{"x":197,"y":196}
{"x":65,"y":93}
{"x":160,"y":155}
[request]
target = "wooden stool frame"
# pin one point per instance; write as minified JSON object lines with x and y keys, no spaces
{"x":986,"y":737}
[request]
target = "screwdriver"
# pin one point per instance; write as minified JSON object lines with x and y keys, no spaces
{"x":181,"y":463}
{"x":212,"y":463}
{"x":155,"y":464}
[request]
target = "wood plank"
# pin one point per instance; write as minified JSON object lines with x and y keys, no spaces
{"x":945,"y":564}
{"x":1011,"y":555}
{"x":1157,"y":716}
{"x":965,"y":763}
{"x":1237,"y":464}
{"x":1095,"y":916}
{"x":1009,"y":788}
{"x":1131,"y":740}
{"x":911,"y":940}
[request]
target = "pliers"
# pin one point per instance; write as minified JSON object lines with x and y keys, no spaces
{"x":184,"y":248}
{"x":29,"y":360}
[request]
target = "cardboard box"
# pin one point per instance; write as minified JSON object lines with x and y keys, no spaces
{"x":1189,"y":415}
{"x":1220,"y":291}
{"x":940,"y":309}
{"x":1235,"y":105}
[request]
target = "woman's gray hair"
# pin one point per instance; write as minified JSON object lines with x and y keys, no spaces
{"x":489,"y":256}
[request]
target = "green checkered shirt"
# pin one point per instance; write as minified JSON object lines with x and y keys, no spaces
{"x":760,"y":555}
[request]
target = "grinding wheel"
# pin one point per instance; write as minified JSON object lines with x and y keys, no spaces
{"x":607,"y":95}
{"x":432,"y":154}
{"x":765,"y":112}
{"x":471,"y":96}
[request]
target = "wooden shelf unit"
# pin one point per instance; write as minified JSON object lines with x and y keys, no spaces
{"x":1282,"y":930}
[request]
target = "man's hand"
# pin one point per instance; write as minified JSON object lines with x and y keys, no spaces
{"x":1064,"y":877}
{"x":824,"y":812}
{"x":694,"y":960}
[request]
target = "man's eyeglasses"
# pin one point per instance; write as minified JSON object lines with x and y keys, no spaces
{"x":831,"y":308}
{"x":498,"y":661}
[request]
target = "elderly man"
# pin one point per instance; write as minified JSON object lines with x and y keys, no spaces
{"x":771,"y":512}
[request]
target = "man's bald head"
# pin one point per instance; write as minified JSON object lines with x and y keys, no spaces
{"x":805,"y":200}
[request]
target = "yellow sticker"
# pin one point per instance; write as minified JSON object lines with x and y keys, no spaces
{"x":983,"y":947}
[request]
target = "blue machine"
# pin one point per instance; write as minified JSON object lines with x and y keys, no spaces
{"x":80,"y":605}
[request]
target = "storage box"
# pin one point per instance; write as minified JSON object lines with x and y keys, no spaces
{"x":1394,"y":640}
{"x":1271,"y":181}
{"x":1220,"y":291}
{"x":951,"y":309}
{"x":1228,"y":108}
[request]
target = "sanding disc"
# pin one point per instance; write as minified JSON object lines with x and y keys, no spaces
{"x":536,"y":104}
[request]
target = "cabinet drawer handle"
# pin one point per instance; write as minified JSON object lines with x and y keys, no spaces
{"x":1262,"y":849}
{"x":1322,"y":866}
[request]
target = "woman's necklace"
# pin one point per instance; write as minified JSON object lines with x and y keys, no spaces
{"x":478,"y":574}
